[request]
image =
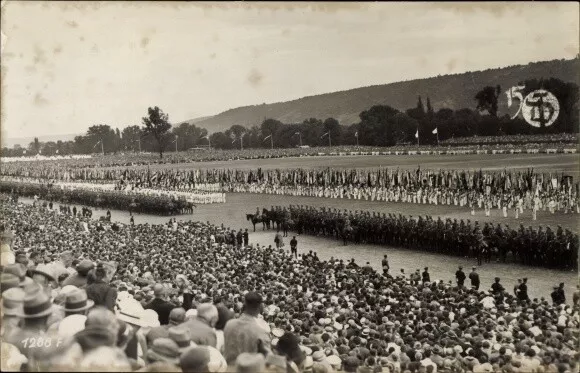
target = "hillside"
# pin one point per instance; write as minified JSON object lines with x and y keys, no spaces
{"x":451,"y":91}
{"x":24,"y":141}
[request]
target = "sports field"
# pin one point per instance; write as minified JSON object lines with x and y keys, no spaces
{"x":442,"y":267}
{"x":567,"y":163}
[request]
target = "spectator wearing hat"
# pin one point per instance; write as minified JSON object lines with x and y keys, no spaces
{"x":289,"y":346}
{"x":18,"y":270}
{"x":202,"y":359}
{"x":425,"y":275}
{"x":523,"y":290}
{"x":244,"y":333}
{"x":62,"y":266}
{"x":319,"y":358}
{"x":351,"y":364}
{"x":474,"y":278}
{"x":36,"y":309}
{"x":8,"y":281}
{"x":100,"y":291}
{"x":101,"y":329}
{"x":79,"y":279}
{"x":201,"y":328}
{"x":250,"y":363}
{"x":12,"y":300}
{"x":181,"y":336}
{"x":161,"y":304}
{"x":164,"y":350}
{"x":76,"y":304}
{"x":460,"y":277}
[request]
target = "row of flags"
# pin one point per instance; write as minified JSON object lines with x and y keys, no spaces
{"x":469,"y":180}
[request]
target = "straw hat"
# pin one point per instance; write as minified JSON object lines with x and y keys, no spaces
{"x":12,"y":300}
{"x":71,"y":325}
{"x":250,"y":363}
{"x":164,"y":349}
{"x":77,"y":301}
{"x":36,"y":303}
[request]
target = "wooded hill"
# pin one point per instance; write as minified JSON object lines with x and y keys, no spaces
{"x":445,"y":91}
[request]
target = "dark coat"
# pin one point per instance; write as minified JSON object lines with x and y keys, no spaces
{"x":163,"y":308}
{"x":102,"y":294}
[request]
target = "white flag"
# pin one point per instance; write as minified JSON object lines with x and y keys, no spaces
{"x":417,"y":134}
{"x":356,"y":134}
{"x":324,"y":134}
{"x":435,"y":131}
{"x":267,"y":137}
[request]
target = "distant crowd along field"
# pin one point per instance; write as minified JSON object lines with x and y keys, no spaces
{"x":519,"y":144}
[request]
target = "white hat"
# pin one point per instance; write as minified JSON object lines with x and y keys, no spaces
{"x":150,"y":318}
{"x":71,"y":325}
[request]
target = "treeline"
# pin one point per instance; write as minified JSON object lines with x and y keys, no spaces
{"x":380,"y":125}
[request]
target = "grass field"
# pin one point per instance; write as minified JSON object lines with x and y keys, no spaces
{"x":567,"y":163}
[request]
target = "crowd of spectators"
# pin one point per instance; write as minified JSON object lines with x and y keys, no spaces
{"x":176,"y":297}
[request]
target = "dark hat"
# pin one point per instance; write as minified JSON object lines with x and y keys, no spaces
{"x":253,"y":298}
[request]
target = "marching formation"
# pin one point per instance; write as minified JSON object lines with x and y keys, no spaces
{"x":509,"y":191}
{"x":526,"y":245}
{"x":167,"y":298}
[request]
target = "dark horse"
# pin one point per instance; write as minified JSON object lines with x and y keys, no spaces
{"x":264,"y":218}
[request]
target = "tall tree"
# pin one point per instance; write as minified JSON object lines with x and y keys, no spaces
{"x":131,"y":138}
{"x":420,"y":105}
{"x":487,"y":100}
{"x":429,"y":108}
{"x":157,"y":125}
{"x":332,"y":126}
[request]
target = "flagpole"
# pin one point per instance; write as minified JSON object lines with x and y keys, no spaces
{"x":437,"y":137}
{"x":356,"y":135}
{"x":329,"y":142}
{"x":102,"y":147}
{"x":272,"y":141}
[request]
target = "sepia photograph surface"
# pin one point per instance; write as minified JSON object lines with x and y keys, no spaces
{"x":290,"y":187}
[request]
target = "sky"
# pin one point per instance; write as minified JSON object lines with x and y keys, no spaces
{"x":67,"y":66}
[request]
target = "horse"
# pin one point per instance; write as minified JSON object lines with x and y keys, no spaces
{"x":188,"y":208}
{"x":346,"y":233}
{"x":259,"y":219}
{"x":105,"y":218}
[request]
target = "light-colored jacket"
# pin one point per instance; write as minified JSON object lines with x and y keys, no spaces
{"x":243,"y":335}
